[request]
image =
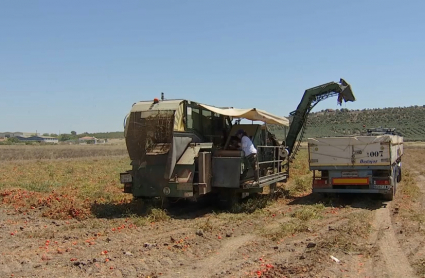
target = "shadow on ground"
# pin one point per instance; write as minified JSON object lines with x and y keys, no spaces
{"x":190,"y":209}
{"x":142,"y":208}
{"x":364,"y":201}
{"x":120,"y":210}
{"x":182,"y":208}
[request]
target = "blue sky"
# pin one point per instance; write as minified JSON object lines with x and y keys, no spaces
{"x":80,"y":65}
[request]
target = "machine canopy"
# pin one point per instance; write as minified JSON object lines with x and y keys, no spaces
{"x":252,"y":114}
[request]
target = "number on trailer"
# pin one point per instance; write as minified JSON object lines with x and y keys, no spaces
{"x":375,"y":154}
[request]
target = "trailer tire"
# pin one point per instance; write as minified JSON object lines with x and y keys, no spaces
{"x":399,"y":174}
{"x":389,"y":196}
{"x":395,"y":185}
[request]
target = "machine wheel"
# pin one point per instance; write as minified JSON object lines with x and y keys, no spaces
{"x":170,"y":201}
{"x":228,"y":199}
{"x":150,"y":202}
{"x":143,"y":201}
{"x":272,"y":188}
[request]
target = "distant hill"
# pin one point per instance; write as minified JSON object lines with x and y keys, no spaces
{"x":408,"y":121}
{"x":105,"y":135}
{"x":99,"y":135}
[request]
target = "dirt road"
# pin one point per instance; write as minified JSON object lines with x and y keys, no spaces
{"x":292,"y":236}
{"x":395,"y":262}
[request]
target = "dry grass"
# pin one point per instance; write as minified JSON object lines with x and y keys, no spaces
{"x":301,"y":184}
{"x":410,"y":195}
{"x":348,"y":236}
{"x":301,"y":177}
{"x":414,"y":145}
{"x":309,"y":212}
{"x":32,"y":152}
{"x":206,"y":226}
{"x":291,"y":227}
{"x":83,"y":181}
{"x":157,"y":214}
{"x":65,"y":182}
{"x":419,"y":266}
{"x":301,"y":222}
{"x":252,"y":204}
{"x":409,"y":209}
{"x":409,"y":189}
{"x":152,"y":215}
{"x":63,"y":188}
{"x":300,"y":164}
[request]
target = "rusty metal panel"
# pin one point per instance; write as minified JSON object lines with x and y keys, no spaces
{"x":204,"y":166}
{"x":159,"y":148}
{"x":226,"y":172}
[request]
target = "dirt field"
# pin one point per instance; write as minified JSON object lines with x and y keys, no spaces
{"x":68,"y":218}
{"x":16,"y":152}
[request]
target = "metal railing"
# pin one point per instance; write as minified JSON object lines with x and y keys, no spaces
{"x":276,"y":163}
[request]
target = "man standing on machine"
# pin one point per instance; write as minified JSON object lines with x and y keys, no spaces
{"x":250,"y":153}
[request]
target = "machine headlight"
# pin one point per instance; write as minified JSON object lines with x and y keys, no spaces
{"x":166,"y":190}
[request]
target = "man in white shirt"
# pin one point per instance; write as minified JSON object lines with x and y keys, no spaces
{"x":250,"y":152}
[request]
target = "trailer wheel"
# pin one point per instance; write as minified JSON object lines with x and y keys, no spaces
{"x":399,"y":174}
{"x":390,"y":196}
{"x":395,"y":186}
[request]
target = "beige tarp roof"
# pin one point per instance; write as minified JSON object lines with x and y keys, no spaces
{"x":249,"y":114}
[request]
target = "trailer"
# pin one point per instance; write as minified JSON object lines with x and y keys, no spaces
{"x":367,"y":163}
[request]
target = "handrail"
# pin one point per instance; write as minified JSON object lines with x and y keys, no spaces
{"x":277,"y":163}
{"x":268,"y":161}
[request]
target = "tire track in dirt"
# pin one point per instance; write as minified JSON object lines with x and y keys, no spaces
{"x":421,"y":180}
{"x":419,"y":251}
{"x":167,"y":234}
{"x":383,"y":236}
{"x":408,"y":210}
{"x":291,"y":256}
{"x":208,"y":266}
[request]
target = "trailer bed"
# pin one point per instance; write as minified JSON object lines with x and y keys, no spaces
{"x":380,"y":150}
